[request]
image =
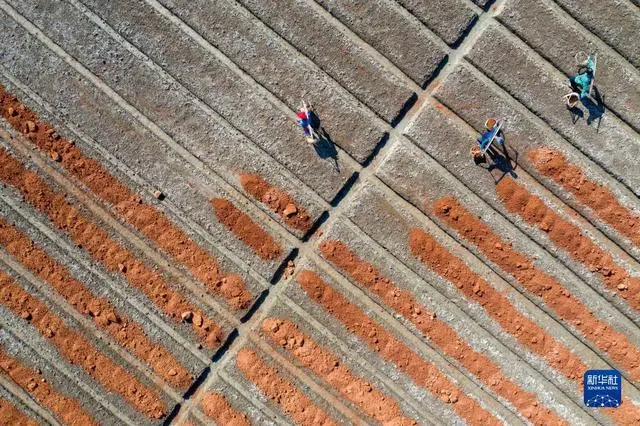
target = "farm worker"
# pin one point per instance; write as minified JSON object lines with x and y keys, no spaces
{"x":487,"y":134}
{"x":304,"y":121}
{"x":584,"y":80}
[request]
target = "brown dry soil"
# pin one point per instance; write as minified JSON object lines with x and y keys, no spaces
{"x":218,"y":408}
{"x":126,"y":333}
{"x":436,"y":257}
{"x":246,"y":229}
{"x":282,"y":392}
{"x":126,"y":204}
{"x":11,"y":416}
{"x":277,"y":200}
{"x":66,"y":409}
{"x":521,"y":267}
{"x":389,"y":348}
{"x":437,"y":331}
{"x":604,"y":204}
{"x":520,"y":201}
{"x":327,"y":366}
{"x":96,"y":241}
{"x":78,"y":350}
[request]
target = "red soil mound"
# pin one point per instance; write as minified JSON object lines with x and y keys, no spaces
{"x":10,"y":415}
{"x":598,"y":198}
{"x":218,"y":408}
{"x":277,"y":200}
{"x":392,"y":350}
{"x":475,"y":288}
{"x":520,"y":201}
{"x":327,"y":366}
{"x":96,"y":241}
{"x":290,"y":399}
{"x":521,"y":267}
{"x":127,"y":333}
{"x":66,"y":409}
{"x":145,"y":218}
{"x":246,"y":229}
{"x":437,"y":331}
{"x":78,"y":350}
{"x":427,"y":249}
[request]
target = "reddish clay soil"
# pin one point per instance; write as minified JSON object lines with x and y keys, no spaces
{"x":604,"y":204}
{"x":392,"y":350}
{"x":567,"y":236}
{"x":521,"y":267}
{"x":78,"y":350}
{"x":288,"y":397}
{"x":246,"y":229}
{"x":66,"y":409}
{"x":10,"y":415}
{"x":436,"y":257}
{"x":327,"y":366}
{"x":126,"y":204}
{"x":437,"y":331}
{"x":216,"y":406}
{"x":277,"y":200}
{"x":127,"y":333}
{"x":96,"y":241}
{"x":475,"y":288}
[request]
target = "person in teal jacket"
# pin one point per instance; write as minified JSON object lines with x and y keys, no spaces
{"x":582,"y":82}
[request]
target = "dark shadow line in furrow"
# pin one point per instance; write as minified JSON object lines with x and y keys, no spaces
{"x":465,"y":31}
{"x":435,"y":73}
{"x":345,"y":189}
{"x":403,"y":111}
{"x":314,"y":227}
{"x":381,"y":143}
{"x":488,"y":5}
{"x":262,"y":297}
{"x":280,"y":271}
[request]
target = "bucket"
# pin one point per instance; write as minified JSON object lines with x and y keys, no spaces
{"x":490,"y":123}
{"x":572,"y":100}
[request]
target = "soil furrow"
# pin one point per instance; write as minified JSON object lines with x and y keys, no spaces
{"x":426,"y":248}
{"x":152,"y":223}
{"x":529,"y":334}
{"x":614,"y":344}
{"x":216,"y":406}
{"x":290,"y":399}
{"x":390,"y":349}
{"x":277,"y":200}
{"x":79,"y":351}
{"x":437,"y":331}
{"x":66,"y":409}
{"x":569,"y":237}
{"x":553,"y":164}
{"x":246,"y":229}
{"x":10,"y":415}
{"x":96,"y":241}
{"x":328,"y":367}
{"x":127,"y":333}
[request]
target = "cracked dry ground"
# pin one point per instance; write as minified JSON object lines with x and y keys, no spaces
{"x":172,"y":251}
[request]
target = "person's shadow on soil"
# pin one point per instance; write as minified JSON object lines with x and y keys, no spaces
{"x":576,"y":114}
{"x":504,"y":161}
{"x":596,"y":109}
{"x":325,"y":147}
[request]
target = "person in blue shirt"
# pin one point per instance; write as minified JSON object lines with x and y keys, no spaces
{"x":581,"y":83}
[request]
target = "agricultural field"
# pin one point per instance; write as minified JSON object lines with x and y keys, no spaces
{"x":173,"y":252}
